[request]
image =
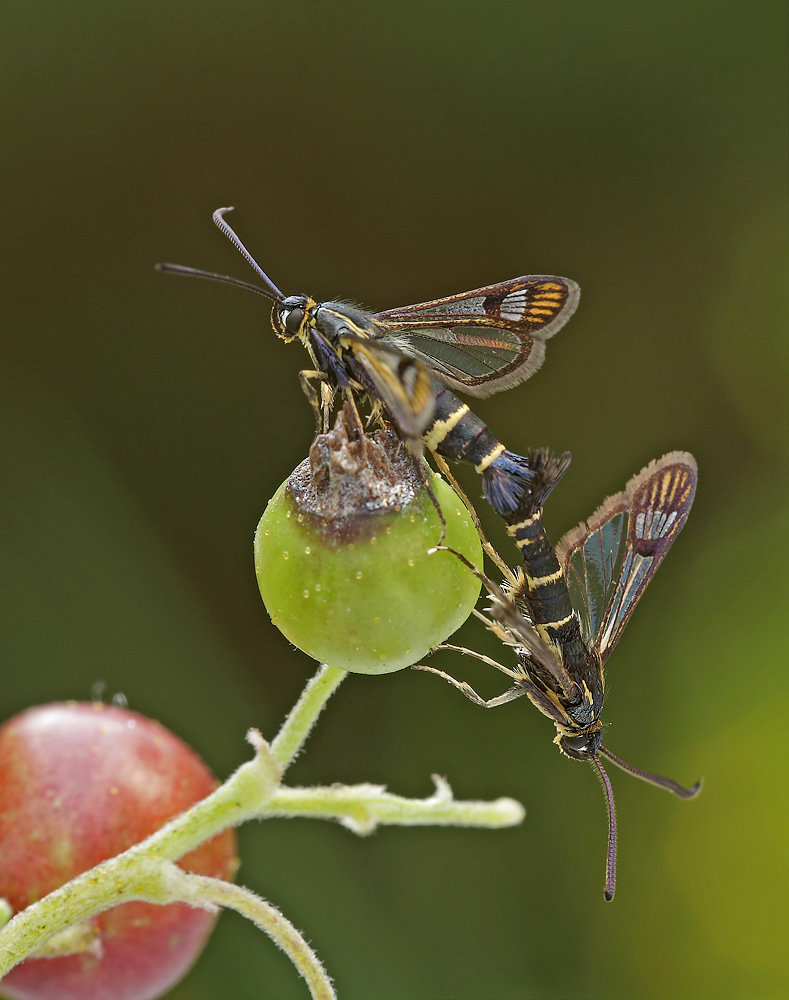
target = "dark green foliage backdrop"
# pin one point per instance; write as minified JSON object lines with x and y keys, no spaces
{"x":394,"y":152}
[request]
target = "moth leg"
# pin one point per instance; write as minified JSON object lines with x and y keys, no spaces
{"x":465,"y":688}
{"x":376,"y":414}
{"x":327,"y":404}
{"x":352,"y":415}
{"x":504,"y":569}
{"x":493,"y":589}
{"x":306,"y":378}
{"x":353,"y":411}
{"x":423,"y":470}
{"x":318,"y":403}
{"x":515,"y":675}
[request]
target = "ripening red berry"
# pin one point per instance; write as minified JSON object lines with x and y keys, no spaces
{"x":79,"y":783}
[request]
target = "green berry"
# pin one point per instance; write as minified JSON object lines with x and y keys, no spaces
{"x":345,"y":574}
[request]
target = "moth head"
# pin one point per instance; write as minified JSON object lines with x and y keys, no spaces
{"x":581,"y":746}
{"x":290,"y":317}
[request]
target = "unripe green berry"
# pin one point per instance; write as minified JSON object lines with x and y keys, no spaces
{"x":341,"y":555}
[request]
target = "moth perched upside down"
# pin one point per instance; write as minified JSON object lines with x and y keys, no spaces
{"x":564,"y":610}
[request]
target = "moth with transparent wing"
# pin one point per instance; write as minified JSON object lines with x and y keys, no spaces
{"x":564,"y":610}
{"x":406,"y":361}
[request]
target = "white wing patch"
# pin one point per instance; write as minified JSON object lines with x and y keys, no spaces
{"x":513,"y":306}
{"x":654,"y":523}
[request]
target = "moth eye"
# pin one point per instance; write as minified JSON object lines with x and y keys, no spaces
{"x":577,"y":742}
{"x":293,"y":320}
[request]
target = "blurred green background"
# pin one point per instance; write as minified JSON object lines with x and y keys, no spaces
{"x":391,"y":153}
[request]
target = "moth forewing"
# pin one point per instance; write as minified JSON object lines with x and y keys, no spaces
{"x":488,"y":339}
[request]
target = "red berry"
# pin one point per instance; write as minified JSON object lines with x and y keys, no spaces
{"x":79,"y":783}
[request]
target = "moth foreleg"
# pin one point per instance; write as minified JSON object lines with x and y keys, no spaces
{"x":321,"y":404}
{"x":465,"y":688}
{"x":356,"y":428}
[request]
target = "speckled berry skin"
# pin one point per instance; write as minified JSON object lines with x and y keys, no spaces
{"x":367,"y":598}
{"x":79,"y":783}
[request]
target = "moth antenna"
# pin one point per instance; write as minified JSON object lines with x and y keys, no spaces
{"x":194,"y":272}
{"x":653,"y":779}
{"x":610,"y":859}
{"x":224,"y":227}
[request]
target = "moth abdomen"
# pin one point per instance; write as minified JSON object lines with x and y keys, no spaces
{"x":511,"y":482}
{"x":545,"y":587}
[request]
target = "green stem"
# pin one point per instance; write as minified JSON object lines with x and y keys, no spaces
{"x":154,"y":880}
{"x":243,"y":796}
{"x":296,"y":728}
{"x":269,"y":919}
{"x":146,"y":871}
{"x":121,"y":878}
{"x":361,"y":808}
